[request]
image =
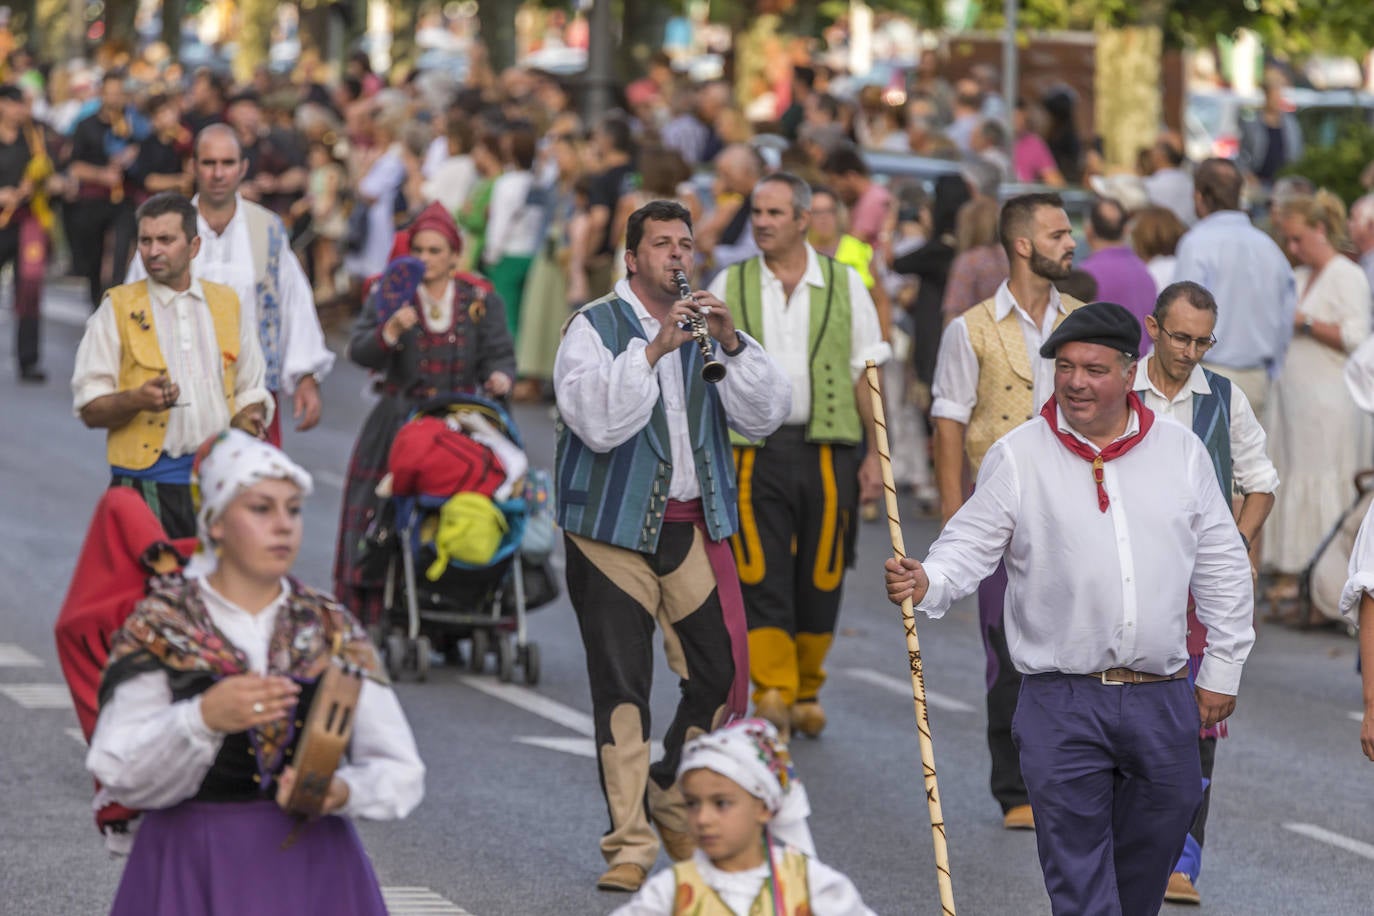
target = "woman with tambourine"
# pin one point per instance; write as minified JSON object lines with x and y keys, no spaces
{"x":429,"y":331}
{"x":210,"y":704}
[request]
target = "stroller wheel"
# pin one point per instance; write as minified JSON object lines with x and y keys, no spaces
{"x":481,"y":645}
{"x":422,"y":650}
{"x":395,"y":656}
{"x":505,"y":658}
{"x":531,"y":663}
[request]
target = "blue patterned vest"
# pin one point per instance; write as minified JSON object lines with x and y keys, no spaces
{"x":618,"y":497}
{"x":1212,"y":423}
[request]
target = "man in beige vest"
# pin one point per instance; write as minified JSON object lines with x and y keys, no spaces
{"x":989,"y":379}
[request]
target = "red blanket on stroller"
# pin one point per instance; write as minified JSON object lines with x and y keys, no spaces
{"x":430,"y":458}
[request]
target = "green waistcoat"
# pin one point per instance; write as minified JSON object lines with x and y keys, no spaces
{"x":834,"y":415}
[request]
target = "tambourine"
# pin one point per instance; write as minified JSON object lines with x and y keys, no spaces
{"x":328,"y":728}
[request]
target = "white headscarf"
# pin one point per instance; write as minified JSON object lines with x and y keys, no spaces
{"x":227,"y":465}
{"x":750,"y":753}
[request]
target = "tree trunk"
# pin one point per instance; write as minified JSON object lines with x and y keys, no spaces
{"x":255,"y":35}
{"x":173,"y":11}
{"x":119,"y":22}
{"x":497,"y":19}
{"x":403,"y":31}
{"x":641,"y":35}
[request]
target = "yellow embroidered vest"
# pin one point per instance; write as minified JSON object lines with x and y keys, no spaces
{"x":694,"y":897}
{"x":1006,"y":383}
{"x":138,"y":443}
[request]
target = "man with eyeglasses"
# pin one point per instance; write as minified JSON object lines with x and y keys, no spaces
{"x":1172,"y":382}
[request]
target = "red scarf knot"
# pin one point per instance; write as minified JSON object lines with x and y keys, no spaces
{"x":1118,"y":448}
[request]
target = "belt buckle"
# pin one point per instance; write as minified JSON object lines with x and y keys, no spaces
{"x":1102,"y":676}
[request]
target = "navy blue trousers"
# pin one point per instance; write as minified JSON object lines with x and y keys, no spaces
{"x":1114,"y":777}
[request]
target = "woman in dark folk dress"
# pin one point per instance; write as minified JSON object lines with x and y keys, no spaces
{"x":451,"y":337}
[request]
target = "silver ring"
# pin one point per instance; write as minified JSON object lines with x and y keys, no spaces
{"x":258,"y":708}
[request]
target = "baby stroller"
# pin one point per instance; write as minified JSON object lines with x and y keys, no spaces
{"x":435,"y":598}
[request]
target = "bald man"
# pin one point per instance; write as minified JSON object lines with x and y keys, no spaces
{"x":275,"y":294}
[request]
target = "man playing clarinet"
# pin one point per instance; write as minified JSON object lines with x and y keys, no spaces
{"x":647,"y":502}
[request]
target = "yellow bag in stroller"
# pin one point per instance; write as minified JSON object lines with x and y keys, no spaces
{"x":470,"y":531}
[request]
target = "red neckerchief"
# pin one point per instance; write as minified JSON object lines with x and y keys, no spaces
{"x":1118,"y":448}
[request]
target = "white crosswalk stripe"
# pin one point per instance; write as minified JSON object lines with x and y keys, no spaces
{"x":12,"y":656}
{"x":39,"y":696}
{"x":419,"y":901}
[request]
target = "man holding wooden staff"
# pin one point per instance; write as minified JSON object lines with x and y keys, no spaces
{"x":1106,"y":519}
{"x":989,"y":380}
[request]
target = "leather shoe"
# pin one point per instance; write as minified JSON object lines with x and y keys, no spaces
{"x":678,"y":845}
{"x":808,"y":718}
{"x":33,"y":375}
{"x":771,"y":707}
{"x":625,"y":877}
{"x":1181,"y":890}
{"x":1019,"y":818}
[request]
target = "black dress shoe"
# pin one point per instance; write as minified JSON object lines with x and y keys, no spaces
{"x":33,"y":375}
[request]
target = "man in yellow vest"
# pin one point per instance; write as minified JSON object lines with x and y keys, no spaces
{"x":165,"y":363}
{"x":989,"y":379}
{"x":799,"y":490}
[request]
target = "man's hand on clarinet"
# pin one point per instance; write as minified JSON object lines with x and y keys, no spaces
{"x":1213,"y":707}
{"x":906,"y":578}
{"x":676,"y":331}
{"x":720,"y":324}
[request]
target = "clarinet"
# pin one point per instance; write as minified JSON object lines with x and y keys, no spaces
{"x":713,"y":370}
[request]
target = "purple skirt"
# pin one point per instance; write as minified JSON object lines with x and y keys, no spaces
{"x":208,"y":859}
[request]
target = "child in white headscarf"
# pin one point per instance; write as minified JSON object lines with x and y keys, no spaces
{"x":747,"y":812}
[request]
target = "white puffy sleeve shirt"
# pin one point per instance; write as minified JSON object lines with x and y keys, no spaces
{"x":606,"y":398}
{"x":1090,"y":590}
{"x":1361,"y":576}
{"x":151,"y":752}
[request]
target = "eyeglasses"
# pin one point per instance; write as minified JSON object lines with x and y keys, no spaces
{"x":1183,"y":341}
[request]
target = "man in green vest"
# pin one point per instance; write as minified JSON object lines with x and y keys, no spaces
{"x":646,"y":501}
{"x":799,"y":490}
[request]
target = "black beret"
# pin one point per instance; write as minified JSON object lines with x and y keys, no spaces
{"x":1104,"y":323}
{"x":11,"y":92}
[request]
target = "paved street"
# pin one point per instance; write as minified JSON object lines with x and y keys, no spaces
{"x":512,"y":815}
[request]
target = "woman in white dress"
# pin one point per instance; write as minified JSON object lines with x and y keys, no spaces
{"x":1318,"y":438}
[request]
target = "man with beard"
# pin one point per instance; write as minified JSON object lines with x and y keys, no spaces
{"x":989,"y":379}
{"x":799,"y":490}
{"x":1172,"y":383}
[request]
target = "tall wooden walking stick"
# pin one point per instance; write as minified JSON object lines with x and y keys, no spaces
{"x":913,"y":651}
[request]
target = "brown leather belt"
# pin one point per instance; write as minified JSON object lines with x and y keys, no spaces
{"x":1118,"y":677}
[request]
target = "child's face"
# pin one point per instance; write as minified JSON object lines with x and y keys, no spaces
{"x":319,"y":157}
{"x":726,"y":821}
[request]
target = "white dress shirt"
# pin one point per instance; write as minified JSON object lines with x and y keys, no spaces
{"x":787,"y":326}
{"x":606,"y":398}
{"x":829,"y":892}
{"x":1090,"y":590}
{"x":151,"y":752}
{"x":1251,"y":468}
{"x":227,"y":257}
{"x":186,"y":335}
{"x":955,"y":388}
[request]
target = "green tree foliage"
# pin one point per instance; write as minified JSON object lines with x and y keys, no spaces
{"x":1337,"y":167}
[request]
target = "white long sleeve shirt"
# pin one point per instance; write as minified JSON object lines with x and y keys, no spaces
{"x":186,"y":335}
{"x":1361,"y":574}
{"x":1090,"y":590}
{"x":513,"y":225}
{"x":227,"y":257}
{"x":606,"y":398}
{"x":150,"y":752}
{"x":955,"y":387}
{"x":787,"y":326}
{"x":830,"y":893}
{"x":1251,"y":468}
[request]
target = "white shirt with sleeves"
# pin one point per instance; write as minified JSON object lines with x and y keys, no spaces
{"x":955,"y":387}
{"x":1090,"y":590}
{"x":831,"y":893}
{"x":186,"y":335}
{"x":227,"y":257}
{"x":606,"y":398}
{"x":151,"y":752}
{"x":1361,"y":575}
{"x":787,"y":326}
{"x":1251,"y":468}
